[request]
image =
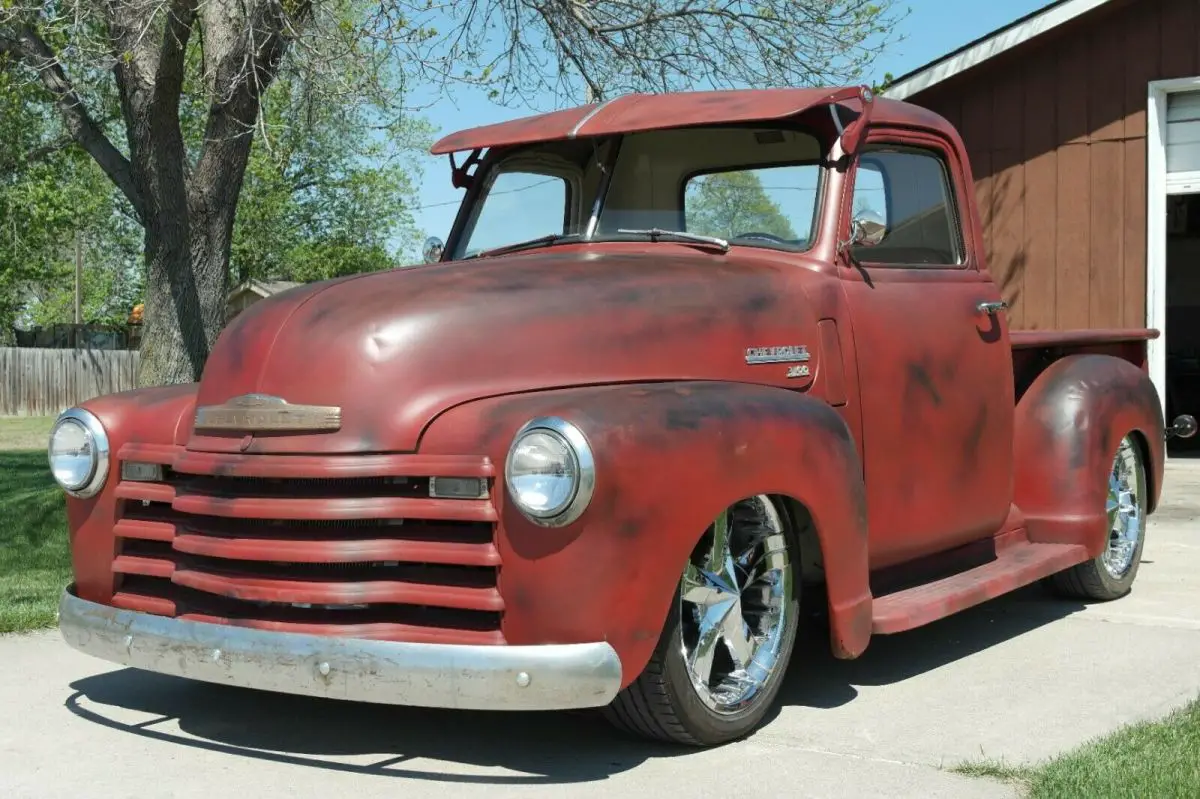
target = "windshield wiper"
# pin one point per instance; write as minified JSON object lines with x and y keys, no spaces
{"x":658,"y":233}
{"x":540,"y":241}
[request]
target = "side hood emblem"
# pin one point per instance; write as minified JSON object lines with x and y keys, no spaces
{"x":262,"y":412}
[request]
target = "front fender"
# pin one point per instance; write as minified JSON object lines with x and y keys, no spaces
{"x":669,"y":458}
{"x":1067,"y":428}
{"x":155,"y":415}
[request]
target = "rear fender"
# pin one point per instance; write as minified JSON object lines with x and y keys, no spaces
{"x":669,"y":458}
{"x":1067,"y":428}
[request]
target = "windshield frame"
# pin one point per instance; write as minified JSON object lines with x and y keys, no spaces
{"x":487,"y":171}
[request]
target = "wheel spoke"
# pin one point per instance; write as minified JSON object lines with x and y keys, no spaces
{"x":700,"y":660}
{"x":755,"y":570}
{"x":762,"y":593}
{"x":1131,"y":525}
{"x":720,"y":544}
{"x":736,"y":633}
{"x":697,"y":587}
{"x":720,"y":559}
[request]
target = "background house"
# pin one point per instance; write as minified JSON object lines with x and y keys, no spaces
{"x":1082,"y":121}
{"x":243,"y":296}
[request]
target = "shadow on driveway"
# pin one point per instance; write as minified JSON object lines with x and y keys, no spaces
{"x":544,"y":748}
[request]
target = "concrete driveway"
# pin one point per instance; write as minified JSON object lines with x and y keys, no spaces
{"x":1022,"y":678}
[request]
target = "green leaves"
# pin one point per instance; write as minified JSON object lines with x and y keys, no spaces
{"x":49,"y":190}
{"x":328,"y":192}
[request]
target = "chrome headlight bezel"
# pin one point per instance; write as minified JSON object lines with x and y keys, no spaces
{"x":583,"y":469}
{"x":98,"y":473}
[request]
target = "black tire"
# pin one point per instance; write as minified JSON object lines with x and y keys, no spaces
{"x":662,"y":703}
{"x":1093,"y":580}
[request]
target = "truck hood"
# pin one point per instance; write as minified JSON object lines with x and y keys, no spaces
{"x":394,"y":349}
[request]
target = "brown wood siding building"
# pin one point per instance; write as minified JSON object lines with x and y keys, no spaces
{"x":1056,"y":130}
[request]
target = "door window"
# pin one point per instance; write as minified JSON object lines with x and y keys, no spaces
{"x":911,"y":192}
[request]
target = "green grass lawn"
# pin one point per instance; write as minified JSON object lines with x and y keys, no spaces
{"x":35,"y":562}
{"x":25,"y":432}
{"x":1158,"y":759}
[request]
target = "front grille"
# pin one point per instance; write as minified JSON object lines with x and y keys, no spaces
{"x":227,"y":540}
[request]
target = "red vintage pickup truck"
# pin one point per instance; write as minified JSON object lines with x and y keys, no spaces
{"x":686,"y":367}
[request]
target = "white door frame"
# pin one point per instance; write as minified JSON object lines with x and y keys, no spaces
{"x":1158,"y":186}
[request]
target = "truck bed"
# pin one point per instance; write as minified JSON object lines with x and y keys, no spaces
{"x":1034,"y":350}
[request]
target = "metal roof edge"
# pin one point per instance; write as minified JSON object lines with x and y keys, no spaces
{"x":989,"y":46}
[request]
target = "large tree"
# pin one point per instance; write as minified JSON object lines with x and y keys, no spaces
{"x":186,"y":194}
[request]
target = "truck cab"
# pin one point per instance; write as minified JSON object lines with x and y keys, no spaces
{"x":686,"y":367}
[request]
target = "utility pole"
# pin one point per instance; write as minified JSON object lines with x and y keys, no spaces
{"x":78,"y":277}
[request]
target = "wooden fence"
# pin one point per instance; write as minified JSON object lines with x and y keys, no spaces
{"x":44,"y":382}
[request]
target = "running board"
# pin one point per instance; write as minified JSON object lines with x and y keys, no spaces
{"x":1015,"y":566}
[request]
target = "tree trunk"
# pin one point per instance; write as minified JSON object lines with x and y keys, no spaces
{"x":187,"y":263}
{"x":189,"y":222}
{"x":185,"y":304}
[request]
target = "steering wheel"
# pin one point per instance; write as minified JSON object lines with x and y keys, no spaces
{"x":755,"y":234}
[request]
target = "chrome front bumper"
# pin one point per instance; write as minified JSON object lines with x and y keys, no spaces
{"x":550,"y":677}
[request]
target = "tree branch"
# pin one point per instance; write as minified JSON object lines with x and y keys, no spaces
{"x":244,"y":59}
{"x":36,"y":54}
{"x":181,"y":14}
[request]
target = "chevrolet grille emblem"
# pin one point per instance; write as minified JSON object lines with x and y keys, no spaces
{"x":262,"y":412}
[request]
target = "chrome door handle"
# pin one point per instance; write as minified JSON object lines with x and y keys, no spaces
{"x":991,"y":308}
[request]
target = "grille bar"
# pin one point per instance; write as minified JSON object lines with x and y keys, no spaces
{"x":346,"y":551}
{"x":144,"y":492}
{"x":144,"y":530}
{"x":340,"y":593}
{"x":142,"y":603}
{"x":149,"y":567}
{"x":331,"y":466}
{"x":359,"y":508}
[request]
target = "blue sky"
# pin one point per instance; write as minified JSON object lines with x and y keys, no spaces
{"x":932,"y":28}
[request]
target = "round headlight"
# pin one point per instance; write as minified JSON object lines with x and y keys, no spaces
{"x":78,"y":453}
{"x":550,"y":471}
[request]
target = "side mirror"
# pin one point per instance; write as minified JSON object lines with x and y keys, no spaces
{"x":434,"y":248}
{"x":1184,"y":426}
{"x":867,"y":229}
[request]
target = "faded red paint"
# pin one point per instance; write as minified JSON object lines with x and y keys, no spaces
{"x":924,"y":434}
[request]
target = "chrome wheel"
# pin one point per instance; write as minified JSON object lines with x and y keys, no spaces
{"x":734,"y":599}
{"x":1126,"y":509}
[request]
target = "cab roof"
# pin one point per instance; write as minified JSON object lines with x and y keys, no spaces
{"x":631,"y":113}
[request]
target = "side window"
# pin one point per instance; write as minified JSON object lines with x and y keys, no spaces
{"x":911,"y":191}
{"x":519,"y":206}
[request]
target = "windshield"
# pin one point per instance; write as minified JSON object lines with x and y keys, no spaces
{"x":749,"y":186}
